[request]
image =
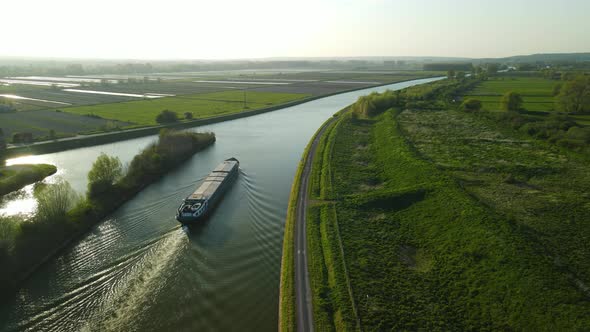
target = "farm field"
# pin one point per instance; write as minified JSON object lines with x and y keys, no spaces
{"x":144,"y":112}
{"x":536,"y":92}
{"x":56,"y":95}
{"x":39,"y":123}
{"x":203,"y":99}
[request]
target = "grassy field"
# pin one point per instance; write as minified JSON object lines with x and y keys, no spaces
{"x":144,"y":112}
{"x":536,"y":92}
{"x":466,"y":234}
{"x":39,"y":123}
{"x":200,"y":98}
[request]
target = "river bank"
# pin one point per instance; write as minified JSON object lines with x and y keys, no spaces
{"x":15,"y":177}
{"x":37,"y":241}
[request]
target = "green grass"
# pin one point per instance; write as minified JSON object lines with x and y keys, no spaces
{"x":332,"y":304}
{"x":425,"y":253}
{"x":536,"y":92}
{"x":16,"y":177}
{"x":547,"y":187}
{"x":144,"y":112}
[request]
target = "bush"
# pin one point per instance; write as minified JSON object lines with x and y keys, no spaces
{"x":574,"y":96}
{"x":54,"y":201}
{"x":167,"y":117}
{"x":471,"y":105}
{"x":511,"y":101}
{"x":188,"y":115}
{"x":104,"y":173}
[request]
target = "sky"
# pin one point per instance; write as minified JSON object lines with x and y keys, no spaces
{"x":234,"y":29}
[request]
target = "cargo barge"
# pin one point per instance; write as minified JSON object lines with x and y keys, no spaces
{"x":200,"y":203}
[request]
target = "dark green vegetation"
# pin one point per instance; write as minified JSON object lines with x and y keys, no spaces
{"x":448,"y":220}
{"x":16,"y":177}
{"x":574,"y":95}
{"x":167,"y":116}
{"x":62,"y":216}
{"x":547,"y":109}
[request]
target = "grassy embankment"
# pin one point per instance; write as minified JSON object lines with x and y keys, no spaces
{"x":287,"y":319}
{"x":333,"y":308}
{"x":482,"y":230}
{"x":144,"y":112}
{"x":25,"y":244}
{"x":13,"y":178}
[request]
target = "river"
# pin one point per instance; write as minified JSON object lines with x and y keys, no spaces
{"x":138,"y":270}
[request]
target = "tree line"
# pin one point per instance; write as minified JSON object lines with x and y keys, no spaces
{"x":63,"y":214}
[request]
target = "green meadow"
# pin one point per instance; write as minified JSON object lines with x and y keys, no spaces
{"x":536,"y":92}
{"x":144,"y":112}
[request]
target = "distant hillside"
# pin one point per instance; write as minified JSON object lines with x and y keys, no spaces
{"x":544,"y":57}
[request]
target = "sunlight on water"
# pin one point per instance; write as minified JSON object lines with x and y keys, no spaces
{"x":43,"y":159}
{"x":26,"y":204}
{"x":23,"y":202}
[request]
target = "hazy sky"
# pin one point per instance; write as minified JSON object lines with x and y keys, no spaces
{"x":197,"y":29}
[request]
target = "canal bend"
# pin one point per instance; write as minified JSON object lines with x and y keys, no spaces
{"x":139,"y":270}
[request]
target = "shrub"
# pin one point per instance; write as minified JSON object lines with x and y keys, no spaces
{"x":471,"y":105}
{"x":167,"y":116}
{"x":188,"y":115}
{"x":574,"y":96}
{"x":54,"y":201}
{"x":104,"y":173}
{"x":511,"y":101}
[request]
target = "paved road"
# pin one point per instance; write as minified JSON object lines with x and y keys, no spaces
{"x":304,"y":310}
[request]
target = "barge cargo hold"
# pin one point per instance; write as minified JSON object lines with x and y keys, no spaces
{"x":200,"y":203}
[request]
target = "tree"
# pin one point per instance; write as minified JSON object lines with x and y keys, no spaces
{"x":55,"y":201}
{"x":471,"y":105}
{"x":511,"y":101}
{"x":188,"y":115}
{"x":167,"y":116}
{"x":575,"y":95}
{"x":460,"y":75}
{"x":103,"y":175}
{"x":451,"y":74}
